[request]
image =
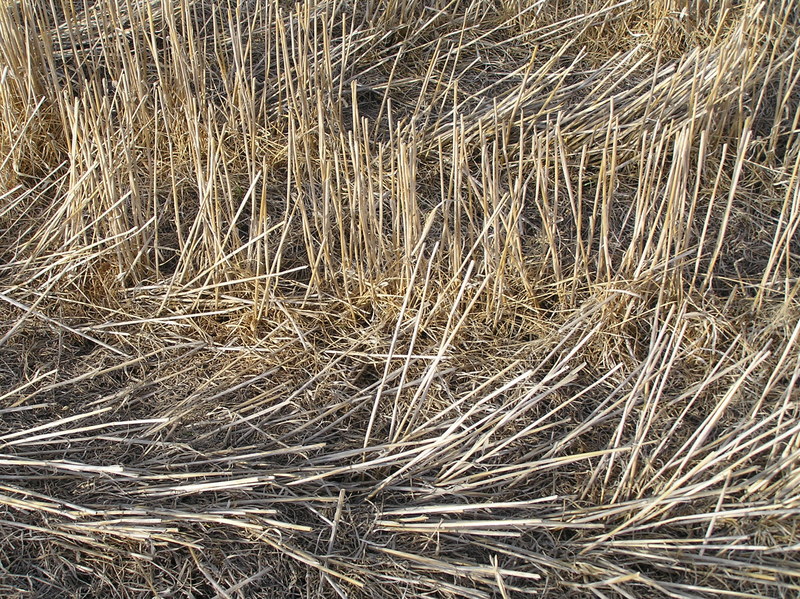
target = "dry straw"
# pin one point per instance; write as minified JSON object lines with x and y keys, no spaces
{"x":399,"y":299}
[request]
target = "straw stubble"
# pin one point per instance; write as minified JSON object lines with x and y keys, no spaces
{"x":423,"y":299}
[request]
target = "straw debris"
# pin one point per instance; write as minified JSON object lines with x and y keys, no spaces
{"x":406,"y":299}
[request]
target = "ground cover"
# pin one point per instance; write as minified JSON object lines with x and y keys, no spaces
{"x":399,"y":299}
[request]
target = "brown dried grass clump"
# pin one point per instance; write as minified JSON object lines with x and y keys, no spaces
{"x":406,"y":299}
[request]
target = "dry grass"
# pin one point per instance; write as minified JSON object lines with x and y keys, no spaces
{"x":406,"y":299}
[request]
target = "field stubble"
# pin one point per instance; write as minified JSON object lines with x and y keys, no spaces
{"x":422,"y":299}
